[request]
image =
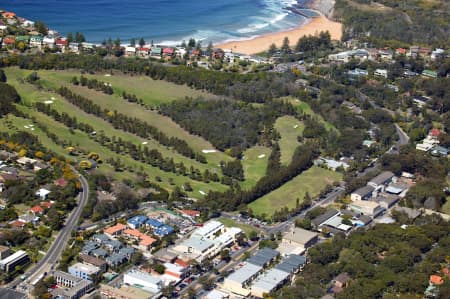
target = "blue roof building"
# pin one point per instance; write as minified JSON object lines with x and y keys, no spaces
{"x":163,"y":230}
{"x":136,"y":221}
{"x":153,"y":223}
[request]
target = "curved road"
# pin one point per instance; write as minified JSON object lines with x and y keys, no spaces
{"x":53,"y":254}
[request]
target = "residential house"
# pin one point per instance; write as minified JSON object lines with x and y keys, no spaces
{"x":113,"y":245}
{"x":36,"y":41}
{"x":48,"y":41}
{"x":380,"y":73}
{"x":115,"y":230}
{"x":74,"y":47}
{"x":217,"y":53}
{"x":91,"y":260}
{"x":340,"y":282}
{"x":292,"y":263}
{"x":100,"y":238}
{"x":429,"y":74}
{"x":168,"y":52}
{"x":29,"y":218}
{"x":137,"y":221}
{"x":439,"y":151}
{"x":8,"y":41}
{"x":130,"y":51}
{"x":143,"y":52}
{"x":116,"y":260}
{"x":263,"y":257}
{"x":61,"y":43}
{"x":42,"y":193}
{"x":156,"y":52}
{"x":175,"y":271}
{"x":239,"y":281}
{"x":37,"y":210}
{"x":99,"y":253}
{"x":438,"y":53}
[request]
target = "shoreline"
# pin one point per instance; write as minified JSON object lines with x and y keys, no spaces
{"x":262,"y":43}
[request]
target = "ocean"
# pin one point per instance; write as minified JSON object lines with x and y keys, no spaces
{"x":165,"y":22}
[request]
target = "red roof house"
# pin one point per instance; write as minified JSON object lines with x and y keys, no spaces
{"x":436,"y":280}
{"x":46,"y":204}
{"x":435,"y":133}
{"x":60,"y":182}
{"x":61,"y":42}
{"x":17,"y":224}
{"x":401,"y":51}
{"x":446,"y":272}
{"x":37,"y":210}
{"x":9,"y":40}
{"x":8,"y":15}
{"x":168,"y":51}
{"x":190,"y":213}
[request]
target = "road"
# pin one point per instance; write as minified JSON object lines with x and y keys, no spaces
{"x":48,"y":262}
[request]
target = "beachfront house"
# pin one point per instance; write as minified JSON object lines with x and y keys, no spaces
{"x":168,"y":52}
{"x":143,"y":52}
{"x":61,"y":43}
{"x":130,"y":51}
{"x":49,"y":41}
{"x":36,"y":41}
{"x":155,"y":52}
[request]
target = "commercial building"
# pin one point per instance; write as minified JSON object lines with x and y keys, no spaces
{"x":143,"y":280}
{"x":70,"y":287}
{"x":175,"y":271}
{"x":84,"y":271}
{"x":12,"y":261}
{"x":381,"y":180}
{"x":300,"y":238}
{"x":362,"y":193}
{"x":239,"y":281}
{"x":321,"y":219}
{"x":364,"y":207}
{"x":209,"y":229}
{"x":268,"y":282}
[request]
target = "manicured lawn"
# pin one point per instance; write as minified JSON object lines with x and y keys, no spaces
{"x":54,"y":79}
{"x":152,"y":92}
{"x":446,"y":206}
{"x":228,"y":222}
{"x":305,"y":108}
{"x":312,"y":181}
{"x":254,"y":163}
{"x":31,"y":95}
{"x":289,"y":128}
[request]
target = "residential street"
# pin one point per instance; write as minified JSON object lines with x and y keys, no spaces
{"x":49,"y":261}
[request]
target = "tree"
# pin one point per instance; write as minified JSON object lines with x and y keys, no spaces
{"x":133,"y":42}
{"x":159,"y":268}
{"x":41,"y":27}
{"x":225,"y":254}
{"x":79,"y":37}
{"x":191,"y":43}
{"x":272,"y":49}
{"x":69,"y":37}
{"x":206,"y":282}
{"x":285,"y":46}
{"x":117,"y":42}
{"x":142,"y":42}
{"x":2,"y":76}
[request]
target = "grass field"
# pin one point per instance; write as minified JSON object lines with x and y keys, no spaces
{"x":312,"y":181}
{"x":52,"y":79}
{"x":247,"y":228}
{"x":446,"y":207}
{"x":81,"y":140}
{"x":254,"y":164}
{"x":30,"y":95}
{"x":305,"y":108}
{"x":152,"y":92}
{"x":289,"y":128}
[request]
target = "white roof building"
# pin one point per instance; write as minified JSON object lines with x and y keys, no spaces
{"x":239,"y":281}
{"x":143,"y":280}
{"x":268,"y":282}
{"x":209,"y":229}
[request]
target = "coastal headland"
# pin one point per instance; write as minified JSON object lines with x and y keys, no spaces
{"x":262,"y":43}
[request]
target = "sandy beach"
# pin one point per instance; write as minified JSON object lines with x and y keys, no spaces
{"x":262,"y":43}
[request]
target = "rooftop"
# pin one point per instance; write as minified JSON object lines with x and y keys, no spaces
{"x":263,"y":257}
{"x":291,"y":263}
{"x":86,"y":268}
{"x":299,"y":235}
{"x":324,"y":217}
{"x":114,"y":229}
{"x":363,"y":191}
{"x":12,"y":257}
{"x":382,"y":178}
{"x":245,"y":273}
{"x":270,"y":280}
